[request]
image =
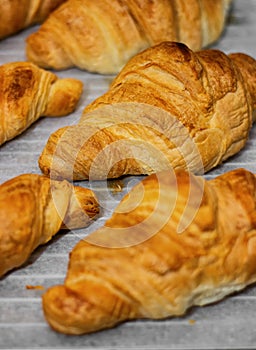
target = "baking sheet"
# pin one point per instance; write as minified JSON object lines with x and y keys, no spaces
{"x":227,"y":324}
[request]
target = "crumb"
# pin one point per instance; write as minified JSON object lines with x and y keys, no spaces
{"x":28,"y":286}
{"x":191,"y":321}
{"x":116,"y":186}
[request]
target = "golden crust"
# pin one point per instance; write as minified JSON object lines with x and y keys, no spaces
{"x":100,"y":36}
{"x":33,"y":208}
{"x":168,"y":107}
{"x":28,"y":92}
{"x":174,"y":241}
{"x":19,"y":14}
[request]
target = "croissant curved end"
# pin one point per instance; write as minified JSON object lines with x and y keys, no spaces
{"x":67,"y":312}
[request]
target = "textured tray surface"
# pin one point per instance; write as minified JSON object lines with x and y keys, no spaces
{"x":228,"y":324}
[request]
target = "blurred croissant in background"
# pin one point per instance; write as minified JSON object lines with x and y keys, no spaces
{"x":28,"y":92}
{"x":16,"y":15}
{"x":100,"y":36}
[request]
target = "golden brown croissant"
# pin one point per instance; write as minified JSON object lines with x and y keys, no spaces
{"x":100,"y":36}
{"x":168,"y":107}
{"x":16,"y":15}
{"x":176,"y":240}
{"x":28,"y":92}
{"x":33,"y":208}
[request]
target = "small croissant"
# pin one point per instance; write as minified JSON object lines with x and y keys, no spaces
{"x":169,"y":107}
{"x":100,"y":36}
{"x":28,"y":92}
{"x":174,"y":241}
{"x":16,"y":15}
{"x":33,"y":209}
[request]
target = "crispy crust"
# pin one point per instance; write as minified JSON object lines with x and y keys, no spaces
{"x":168,"y":107}
{"x":183,"y":241}
{"x":34,"y":208}
{"x":100,"y":36}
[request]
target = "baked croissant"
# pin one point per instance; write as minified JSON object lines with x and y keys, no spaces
{"x":34,"y":208}
{"x":28,"y":92}
{"x":100,"y":36}
{"x":176,"y":240}
{"x":16,"y":15}
{"x":168,"y":107}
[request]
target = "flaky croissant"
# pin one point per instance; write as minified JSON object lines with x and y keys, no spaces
{"x":33,"y":208}
{"x":100,"y":36}
{"x":168,"y":107}
{"x":176,"y":240}
{"x":28,"y":92}
{"x":16,"y":15}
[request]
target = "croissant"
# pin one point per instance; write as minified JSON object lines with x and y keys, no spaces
{"x":168,"y":108}
{"x":175,"y":241}
{"x":16,"y":15}
{"x":28,"y":92}
{"x":100,"y":36}
{"x":34,"y":208}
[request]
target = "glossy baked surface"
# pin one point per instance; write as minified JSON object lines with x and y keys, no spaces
{"x":228,"y":324}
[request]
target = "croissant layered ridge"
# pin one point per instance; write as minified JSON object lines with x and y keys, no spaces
{"x":100,"y":36}
{"x":174,"y":241}
{"x":169,"y":107}
{"x":33,"y":209}
{"x":28,"y":92}
{"x":16,"y":15}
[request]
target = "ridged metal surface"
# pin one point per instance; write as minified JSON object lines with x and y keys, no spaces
{"x":227,"y":324}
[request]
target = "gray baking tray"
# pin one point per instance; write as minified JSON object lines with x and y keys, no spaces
{"x":227,"y":324}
